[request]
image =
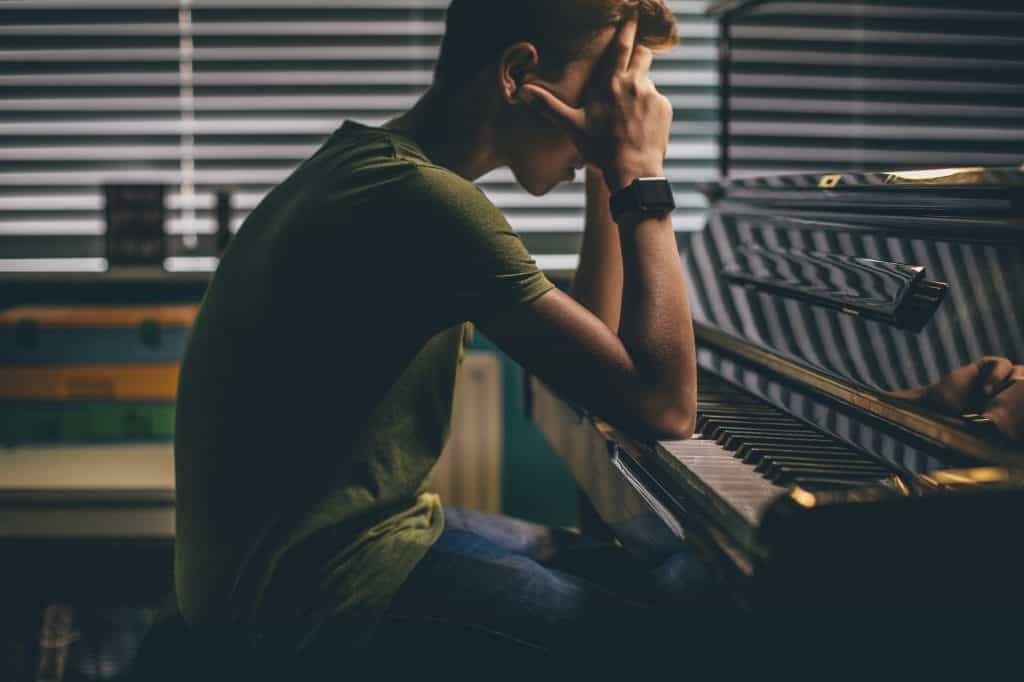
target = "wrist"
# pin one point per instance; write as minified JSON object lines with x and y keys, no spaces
{"x":618,"y":178}
{"x":596,"y":186}
{"x":629,"y":224}
{"x":648,"y":197}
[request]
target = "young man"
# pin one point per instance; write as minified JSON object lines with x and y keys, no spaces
{"x":317,"y":387}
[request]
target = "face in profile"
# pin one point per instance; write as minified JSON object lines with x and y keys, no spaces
{"x":539,"y":153}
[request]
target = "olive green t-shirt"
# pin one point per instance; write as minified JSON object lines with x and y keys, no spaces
{"x":317,"y":387}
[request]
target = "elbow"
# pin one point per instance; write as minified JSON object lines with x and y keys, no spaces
{"x":675,"y":424}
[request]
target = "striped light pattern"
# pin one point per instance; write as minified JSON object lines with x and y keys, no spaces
{"x":816,"y":411}
{"x":875,"y":84}
{"x":205,"y":94}
{"x":978,"y":318}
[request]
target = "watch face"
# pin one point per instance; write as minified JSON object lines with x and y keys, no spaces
{"x":655,"y":194}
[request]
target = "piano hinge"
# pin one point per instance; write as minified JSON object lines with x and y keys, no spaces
{"x":829,"y":181}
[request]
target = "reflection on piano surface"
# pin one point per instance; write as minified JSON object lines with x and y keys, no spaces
{"x":861,"y":396}
{"x":962,"y":227}
{"x":860,"y":334}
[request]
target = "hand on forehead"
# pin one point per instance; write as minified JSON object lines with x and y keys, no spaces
{"x":618,"y":54}
{"x":614,"y":53}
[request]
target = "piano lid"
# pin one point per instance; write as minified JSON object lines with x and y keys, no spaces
{"x":905,"y":287}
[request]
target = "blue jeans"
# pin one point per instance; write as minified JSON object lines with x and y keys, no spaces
{"x":507,"y":592}
{"x":494,"y":599}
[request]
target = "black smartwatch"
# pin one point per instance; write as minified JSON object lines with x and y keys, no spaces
{"x":643,"y":197}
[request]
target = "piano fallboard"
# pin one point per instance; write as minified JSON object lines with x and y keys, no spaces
{"x":883,"y":538}
{"x":874,"y":287}
{"x":860,"y":434}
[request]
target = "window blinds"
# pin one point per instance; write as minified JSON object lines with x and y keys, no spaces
{"x":209,"y":94}
{"x":875,"y":85}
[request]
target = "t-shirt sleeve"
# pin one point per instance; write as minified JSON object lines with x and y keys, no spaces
{"x":460,"y":253}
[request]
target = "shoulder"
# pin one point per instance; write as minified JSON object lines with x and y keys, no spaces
{"x":439,"y":192}
{"x":441,"y":184}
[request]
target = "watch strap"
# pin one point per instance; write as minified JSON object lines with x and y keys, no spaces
{"x":643,"y":196}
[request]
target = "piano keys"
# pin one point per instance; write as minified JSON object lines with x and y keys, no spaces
{"x":852,"y":299}
{"x":825,"y":468}
{"x":754,"y":515}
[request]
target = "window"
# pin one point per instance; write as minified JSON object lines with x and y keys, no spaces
{"x":205,"y":94}
{"x":875,"y":85}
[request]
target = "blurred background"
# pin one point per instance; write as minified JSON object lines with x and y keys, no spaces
{"x":200,"y":108}
{"x":136,"y":135}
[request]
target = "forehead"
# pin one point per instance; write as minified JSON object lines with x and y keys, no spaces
{"x":577,"y":76}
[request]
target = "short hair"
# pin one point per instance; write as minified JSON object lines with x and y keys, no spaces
{"x":478,"y":31}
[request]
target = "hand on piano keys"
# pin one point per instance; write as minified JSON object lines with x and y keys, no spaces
{"x":1006,"y":408}
{"x":991,"y":386}
{"x":971,"y":386}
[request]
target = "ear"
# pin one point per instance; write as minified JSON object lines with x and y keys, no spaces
{"x":517,"y":62}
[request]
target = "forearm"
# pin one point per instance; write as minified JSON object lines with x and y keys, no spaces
{"x":597,"y":284}
{"x":655,"y":325}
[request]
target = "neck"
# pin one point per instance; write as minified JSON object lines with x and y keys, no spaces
{"x":453,"y":131}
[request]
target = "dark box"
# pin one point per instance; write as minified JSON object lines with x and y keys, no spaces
{"x":135,"y":225}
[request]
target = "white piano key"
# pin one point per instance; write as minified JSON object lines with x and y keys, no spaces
{"x":734,"y":482}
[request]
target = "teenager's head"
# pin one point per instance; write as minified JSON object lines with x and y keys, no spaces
{"x":492,"y":47}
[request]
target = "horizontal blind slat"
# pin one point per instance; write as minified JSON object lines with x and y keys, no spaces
{"x":86,"y":101}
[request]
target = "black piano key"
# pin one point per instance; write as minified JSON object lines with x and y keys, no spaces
{"x":770,"y":467}
{"x":730,"y":398}
{"x":742,"y":414}
{"x":739,"y":408}
{"x":740,"y":443}
{"x":736,"y":437}
{"x":733,"y":441}
{"x":796,"y":445}
{"x":706,"y":423}
{"x":720,"y":434}
{"x":739,"y":419}
{"x":823,"y":460}
{"x":747,"y":420}
{"x":786,"y":475}
{"x":776,"y":444}
{"x":770,"y":464}
{"x":825,"y":456}
{"x":746,"y":416}
{"x":733,"y":406}
{"x":754,"y":451}
{"x":817,"y":483}
{"x":755,"y":426}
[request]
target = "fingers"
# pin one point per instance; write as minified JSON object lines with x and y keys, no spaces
{"x":624,"y":41}
{"x":640,"y":66}
{"x":1005,"y":410}
{"x":572,"y":121}
{"x":996,"y":374}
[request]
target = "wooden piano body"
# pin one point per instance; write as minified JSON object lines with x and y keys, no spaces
{"x":829,"y":288}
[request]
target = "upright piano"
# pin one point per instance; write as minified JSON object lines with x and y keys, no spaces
{"x":847,"y":452}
